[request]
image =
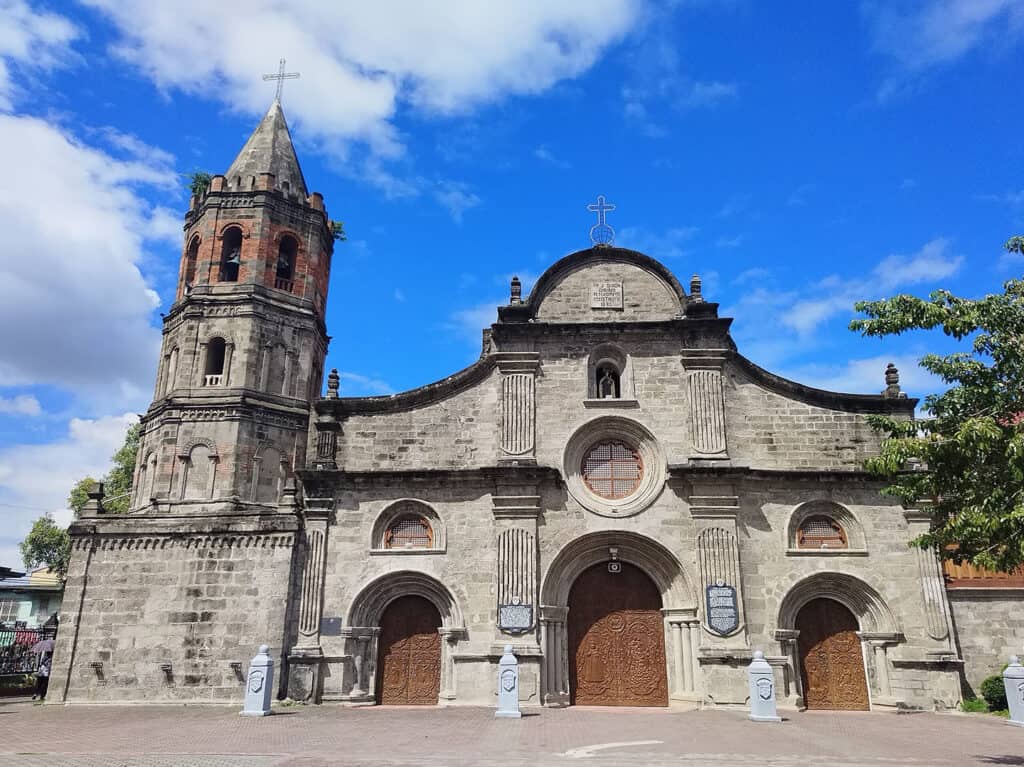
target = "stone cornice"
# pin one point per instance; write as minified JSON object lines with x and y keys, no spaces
{"x":340,"y":478}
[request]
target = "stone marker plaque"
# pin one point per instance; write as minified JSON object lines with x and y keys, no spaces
{"x":515,"y":618}
{"x":330,"y":626}
{"x":723,"y":610}
{"x":606,"y":295}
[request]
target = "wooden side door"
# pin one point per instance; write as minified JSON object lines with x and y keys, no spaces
{"x":831,"y":659}
{"x":616,"y":639}
{"x":409,"y":668}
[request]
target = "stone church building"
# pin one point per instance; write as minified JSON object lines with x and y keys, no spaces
{"x":612,"y":488}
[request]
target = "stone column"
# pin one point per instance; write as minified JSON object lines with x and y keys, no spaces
{"x":692,"y":640}
{"x":306,"y":656}
{"x":516,"y":510}
{"x":229,"y":352}
{"x":933,"y":589}
{"x":879,"y":642}
{"x":707,"y":402}
{"x":556,"y":662}
{"x":268,"y":349}
{"x":449,"y":639}
{"x":713,"y":507}
{"x":681,"y":621}
{"x":518,"y":408}
{"x":792,"y":692}
{"x":202,"y":363}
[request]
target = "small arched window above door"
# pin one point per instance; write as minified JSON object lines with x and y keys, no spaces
{"x":820,"y":532}
{"x":409,"y":531}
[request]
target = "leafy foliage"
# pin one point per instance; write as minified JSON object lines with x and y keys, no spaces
{"x":80,"y":494}
{"x":966,"y":462}
{"x":117,"y":483}
{"x":47,"y":543}
{"x":993,"y":690}
{"x":199,"y":182}
{"x":338,"y":230}
{"x":974,"y":705}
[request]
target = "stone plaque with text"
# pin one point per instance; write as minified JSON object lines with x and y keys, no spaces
{"x":606,"y":295}
{"x":723,"y":610}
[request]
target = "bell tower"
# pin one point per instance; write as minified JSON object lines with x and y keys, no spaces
{"x":245,"y":341}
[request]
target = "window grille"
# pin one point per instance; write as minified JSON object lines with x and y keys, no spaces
{"x":613,"y":470}
{"x":820,"y":533}
{"x":9,"y":610}
{"x":409,"y":533}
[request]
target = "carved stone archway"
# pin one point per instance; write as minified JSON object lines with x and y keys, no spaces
{"x":363,"y":627}
{"x":668,"y":575}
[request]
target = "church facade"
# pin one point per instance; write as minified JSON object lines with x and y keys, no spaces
{"x":612,"y":488}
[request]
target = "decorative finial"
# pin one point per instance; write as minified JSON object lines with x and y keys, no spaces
{"x":333,"y":382}
{"x":601,"y":233}
{"x":288,"y":500}
{"x":892,"y":381}
{"x":695,"y":287}
{"x":95,"y":503}
{"x":517,"y":291}
{"x":281,"y":76}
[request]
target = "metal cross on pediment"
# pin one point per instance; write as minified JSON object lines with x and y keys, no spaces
{"x":601,"y":233}
{"x":281,"y":76}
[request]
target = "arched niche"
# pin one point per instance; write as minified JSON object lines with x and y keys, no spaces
{"x":612,"y":361}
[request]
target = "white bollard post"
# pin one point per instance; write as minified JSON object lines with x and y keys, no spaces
{"x":508,"y":686}
{"x":1013,"y":681}
{"x":762,"y":690}
{"x":259,"y":684}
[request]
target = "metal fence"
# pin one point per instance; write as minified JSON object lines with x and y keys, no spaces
{"x":16,"y":648}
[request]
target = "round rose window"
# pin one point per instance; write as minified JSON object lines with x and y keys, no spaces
{"x":612,"y":469}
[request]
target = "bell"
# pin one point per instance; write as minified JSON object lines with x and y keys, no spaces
{"x":235,"y":259}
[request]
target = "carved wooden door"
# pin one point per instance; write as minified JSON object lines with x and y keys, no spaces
{"x":831,"y":660}
{"x":616,"y":639}
{"x":409,"y":671}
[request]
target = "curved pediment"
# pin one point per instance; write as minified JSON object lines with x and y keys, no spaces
{"x":602,"y":284}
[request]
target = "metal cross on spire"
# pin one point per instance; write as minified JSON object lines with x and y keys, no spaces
{"x":601,"y":233}
{"x":281,"y":76}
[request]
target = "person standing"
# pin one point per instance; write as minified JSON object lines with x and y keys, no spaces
{"x":42,"y":676}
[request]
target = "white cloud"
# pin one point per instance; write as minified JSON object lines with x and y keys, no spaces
{"x":544,"y":154}
{"x":34,"y":478}
{"x":467,"y":324}
{"x":23,"y":404}
{"x":707,"y":94}
{"x":358,"y":385}
{"x":361,"y":62}
{"x":933,"y":262}
{"x":456,"y":197}
{"x":867,"y":376}
{"x":75,"y":305}
{"x":932,"y":33}
{"x":661,"y":245}
{"x":30,"y":39}
{"x":729,"y":242}
{"x":399,"y":295}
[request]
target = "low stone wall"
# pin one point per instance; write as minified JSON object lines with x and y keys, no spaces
{"x":152,"y":614}
{"x":989,"y":627}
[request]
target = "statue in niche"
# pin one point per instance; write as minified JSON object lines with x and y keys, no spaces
{"x":608,"y":384}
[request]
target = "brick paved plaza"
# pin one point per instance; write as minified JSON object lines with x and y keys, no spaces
{"x":206,"y":736}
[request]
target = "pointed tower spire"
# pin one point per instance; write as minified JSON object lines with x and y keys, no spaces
{"x":269,"y":150}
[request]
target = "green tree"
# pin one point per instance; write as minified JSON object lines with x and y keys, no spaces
{"x":338,"y":230}
{"x":965,"y":463}
{"x":118,"y":481}
{"x":80,"y":494}
{"x":47,"y":543}
{"x":199,"y":182}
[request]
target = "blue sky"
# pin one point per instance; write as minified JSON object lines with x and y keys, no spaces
{"x":799,"y":156}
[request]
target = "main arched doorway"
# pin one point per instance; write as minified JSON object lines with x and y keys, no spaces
{"x":831,"y":659}
{"x":616,"y":638}
{"x":409,"y":669}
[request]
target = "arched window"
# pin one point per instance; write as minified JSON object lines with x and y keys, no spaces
{"x":410,"y":531}
{"x":216,"y":350}
{"x":612,"y":469}
{"x":231,"y":255}
{"x":199,"y":468}
{"x":170,"y":371}
{"x":607,"y":380}
{"x":820,"y":532}
{"x":191,"y":256}
{"x":286,"y":253}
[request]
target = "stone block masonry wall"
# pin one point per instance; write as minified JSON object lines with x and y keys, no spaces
{"x":162,"y":618}
{"x":644,"y":296}
{"x":768,"y":430}
{"x":989,"y":627}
